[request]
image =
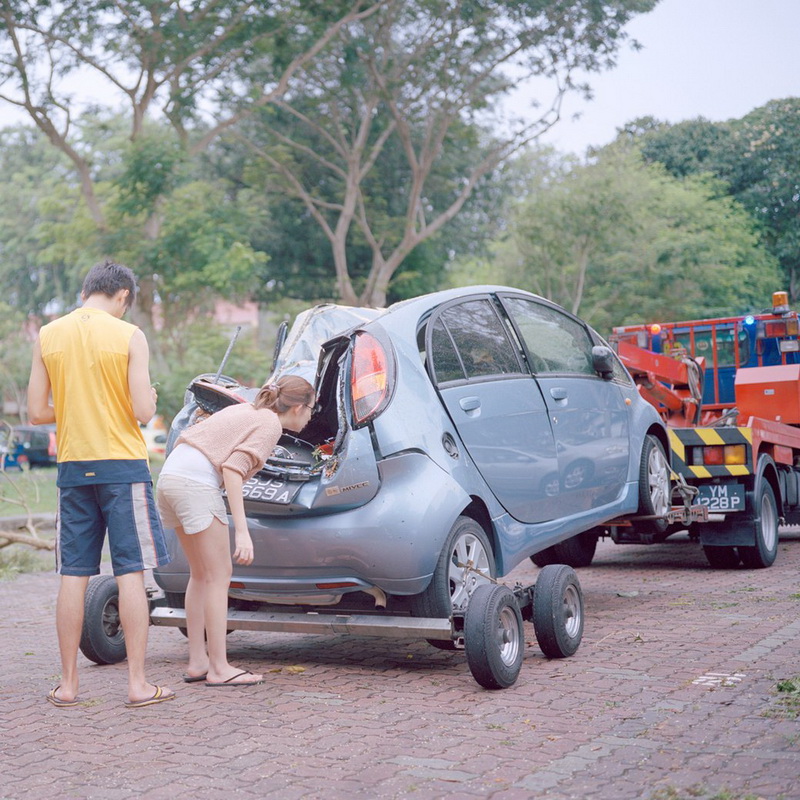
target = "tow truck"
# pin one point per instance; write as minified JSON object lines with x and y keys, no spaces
{"x":729,"y":390}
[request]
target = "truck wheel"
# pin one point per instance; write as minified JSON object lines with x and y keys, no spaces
{"x":493,"y":637}
{"x":558,"y":611}
{"x":765,"y":550}
{"x":578,"y":551}
{"x":453,"y":581}
{"x":655,"y":494}
{"x":722,"y":557}
{"x":102,"y":639}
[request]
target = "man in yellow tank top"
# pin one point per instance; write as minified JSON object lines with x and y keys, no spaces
{"x":97,"y":368}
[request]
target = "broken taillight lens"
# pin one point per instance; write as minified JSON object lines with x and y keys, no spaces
{"x":369,"y":378}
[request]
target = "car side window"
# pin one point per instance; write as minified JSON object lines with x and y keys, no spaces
{"x":469,"y":341}
{"x":555,"y":342}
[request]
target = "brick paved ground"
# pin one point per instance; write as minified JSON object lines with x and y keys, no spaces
{"x":643,"y":710}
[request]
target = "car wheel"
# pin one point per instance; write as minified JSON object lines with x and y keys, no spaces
{"x":578,"y":551}
{"x":722,"y":557}
{"x":765,"y":550}
{"x":655,"y":494}
{"x":493,"y":637}
{"x":466,"y":562}
{"x":558,"y":611}
{"x":102,"y":639}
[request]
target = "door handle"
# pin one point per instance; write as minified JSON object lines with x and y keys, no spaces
{"x":469,"y":403}
{"x":558,"y":393}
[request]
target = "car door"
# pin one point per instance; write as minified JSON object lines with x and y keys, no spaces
{"x":588,"y":414}
{"x":495,"y":405}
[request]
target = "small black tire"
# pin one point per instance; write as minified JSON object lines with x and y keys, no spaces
{"x":545,"y":557}
{"x":765,"y":529}
{"x":722,"y":557}
{"x":102,"y":639}
{"x":493,"y":636}
{"x":558,"y":611}
{"x":654,"y":487}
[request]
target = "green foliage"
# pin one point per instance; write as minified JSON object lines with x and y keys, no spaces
{"x":621,"y":241}
{"x":757,"y":158}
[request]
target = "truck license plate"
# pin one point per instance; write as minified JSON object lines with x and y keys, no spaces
{"x":271,"y":490}
{"x":722,"y":497}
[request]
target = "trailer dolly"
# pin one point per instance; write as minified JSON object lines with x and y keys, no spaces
{"x":489,"y":630}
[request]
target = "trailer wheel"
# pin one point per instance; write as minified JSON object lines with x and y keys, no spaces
{"x":558,"y":611}
{"x":722,"y":557}
{"x":765,"y":550}
{"x":102,"y":639}
{"x":654,"y":487}
{"x":493,"y":636}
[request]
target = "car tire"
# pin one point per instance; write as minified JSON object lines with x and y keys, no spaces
{"x":765,"y":529}
{"x":654,"y":487}
{"x":493,"y":636}
{"x":558,"y":611}
{"x":577,"y":551}
{"x":102,"y":638}
{"x":451,"y":585}
{"x":722,"y":557}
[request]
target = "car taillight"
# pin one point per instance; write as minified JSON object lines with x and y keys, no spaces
{"x":369,"y":378}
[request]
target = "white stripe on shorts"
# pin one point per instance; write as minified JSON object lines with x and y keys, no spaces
{"x":144,"y":531}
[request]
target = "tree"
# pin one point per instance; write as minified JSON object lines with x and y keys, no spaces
{"x":757,"y":157}
{"x":621,"y":241}
{"x":182,"y":65}
{"x":422,"y":79}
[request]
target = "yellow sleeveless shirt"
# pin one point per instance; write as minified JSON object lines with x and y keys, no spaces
{"x":86,"y":356}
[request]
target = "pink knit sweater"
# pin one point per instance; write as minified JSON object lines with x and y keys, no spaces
{"x":239,"y":437}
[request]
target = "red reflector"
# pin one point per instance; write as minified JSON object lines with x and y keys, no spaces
{"x":236,"y":585}
{"x":713,"y":456}
{"x":340,"y":585}
{"x":368,"y":377}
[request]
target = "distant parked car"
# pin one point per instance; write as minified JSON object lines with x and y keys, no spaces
{"x":454,"y":436}
{"x":32,"y":444}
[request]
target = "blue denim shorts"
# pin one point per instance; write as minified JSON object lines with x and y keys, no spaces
{"x":127,"y":510}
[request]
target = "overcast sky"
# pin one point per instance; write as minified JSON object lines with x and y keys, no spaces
{"x":717,"y":59}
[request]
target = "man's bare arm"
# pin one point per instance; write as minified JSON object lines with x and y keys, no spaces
{"x":40,"y":409}
{"x":143,"y":395}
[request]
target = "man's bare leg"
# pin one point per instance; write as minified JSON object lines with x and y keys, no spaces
{"x":134,"y":612}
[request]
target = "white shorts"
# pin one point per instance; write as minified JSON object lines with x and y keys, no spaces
{"x":192,"y":505}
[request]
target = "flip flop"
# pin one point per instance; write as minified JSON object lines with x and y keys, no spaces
{"x":194,"y":678}
{"x":239,"y":683}
{"x":161,"y":695}
{"x":58,"y":702}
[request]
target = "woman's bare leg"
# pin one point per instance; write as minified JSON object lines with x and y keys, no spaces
{"x":211,"y":569}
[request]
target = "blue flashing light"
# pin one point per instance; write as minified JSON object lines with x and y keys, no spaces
{"x":749,"y":320}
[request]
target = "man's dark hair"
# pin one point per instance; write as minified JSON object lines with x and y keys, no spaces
{"x":108,"y":278}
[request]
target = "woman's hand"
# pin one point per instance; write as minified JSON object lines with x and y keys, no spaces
{"x":243,"y":554}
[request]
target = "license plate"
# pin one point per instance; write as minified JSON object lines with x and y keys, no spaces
{"x":271,"y":490}
{"x":722,"y":498}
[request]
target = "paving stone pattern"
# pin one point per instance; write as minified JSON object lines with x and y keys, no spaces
{"x":671,"y":696}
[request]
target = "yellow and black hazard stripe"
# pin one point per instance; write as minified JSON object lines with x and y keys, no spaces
{"x":682,"y":439}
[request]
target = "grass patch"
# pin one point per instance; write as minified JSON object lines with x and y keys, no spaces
{"x":788,"y":693}
{"x":28,"y":489}
{"x":17,"y":559}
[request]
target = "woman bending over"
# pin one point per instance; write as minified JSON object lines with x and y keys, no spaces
{"x":222,"y":451}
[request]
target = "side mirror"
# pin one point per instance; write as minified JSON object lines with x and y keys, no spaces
{"x":603,"y":361}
